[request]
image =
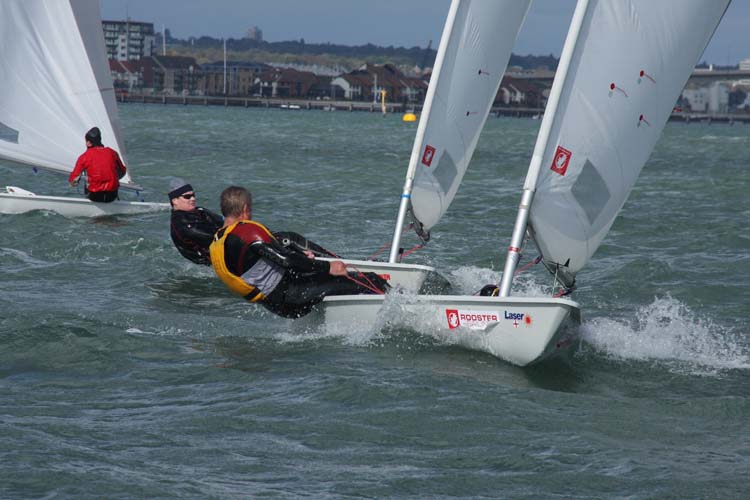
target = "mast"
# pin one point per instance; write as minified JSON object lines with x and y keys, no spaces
{"x":529,"y":188}
{"x":225,"y":66}
{"x":421,"y":130}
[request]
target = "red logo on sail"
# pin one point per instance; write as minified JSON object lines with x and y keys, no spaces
{"x":428,"y":155}
{"x":561,"y":160}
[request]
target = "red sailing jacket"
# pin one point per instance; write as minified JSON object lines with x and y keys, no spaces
{"x":103,"y":167}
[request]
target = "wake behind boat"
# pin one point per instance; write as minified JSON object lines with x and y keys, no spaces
{"x":55,"y":85}
{"x":621,"y":70}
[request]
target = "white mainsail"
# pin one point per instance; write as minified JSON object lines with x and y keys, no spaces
{"x":472,"y":57}
{"x":629,"y":64}
{"x":55,"y":83}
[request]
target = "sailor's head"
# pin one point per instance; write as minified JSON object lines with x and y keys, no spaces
{"x":236,"y":201}
{"x":181,"y":195}
{"x":94,"y":136}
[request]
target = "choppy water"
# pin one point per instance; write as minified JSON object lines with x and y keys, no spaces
{"x":126,"y":371}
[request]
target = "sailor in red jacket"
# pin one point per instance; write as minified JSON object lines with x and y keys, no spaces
{"x":103,"y":167}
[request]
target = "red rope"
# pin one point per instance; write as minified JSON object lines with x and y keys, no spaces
{"x":371,"y":257}
{"x":411,"y":250}
{"x":535,"y":261}
{"x":369,"y":285}
{"x":407,"y":228}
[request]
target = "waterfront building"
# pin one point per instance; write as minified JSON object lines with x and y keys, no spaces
{"x":128,"y":40}
{"x":518,"y":92}
{"x":126,"y":76}
{"x":713,"y":98}
{"x":170,"y":75}
{"x":288,"y":82}
{"x":366,"y":83}
{"x":240,"y":78}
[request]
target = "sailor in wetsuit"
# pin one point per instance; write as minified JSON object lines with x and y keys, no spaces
{"x":192,"y":228}
{"x":285,"y":280}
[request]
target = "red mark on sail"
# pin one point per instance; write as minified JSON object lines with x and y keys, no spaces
{"x":643,"y":74}
{"x":561,"y":160}
{"x":527,"y":320}
{"x":428,"y":155}
{"x":643,"y":119}
{"x":613,"y":87}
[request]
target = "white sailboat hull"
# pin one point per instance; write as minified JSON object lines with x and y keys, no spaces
{"x":410,"y":277}
{"x":520,"y":330}
{"x":13,"y":203}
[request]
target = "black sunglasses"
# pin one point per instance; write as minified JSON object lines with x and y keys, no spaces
{"x":188,"y":196}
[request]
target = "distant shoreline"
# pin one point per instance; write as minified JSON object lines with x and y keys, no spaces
{"x":351,"y":106}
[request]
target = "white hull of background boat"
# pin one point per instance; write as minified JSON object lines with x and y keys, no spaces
{"x":55,"y":84}
{"x":18,"y":203}
{"x":520,"y":330}
{"x":410,"y":277}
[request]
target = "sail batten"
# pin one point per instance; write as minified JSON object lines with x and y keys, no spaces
{"x":626,"y":73}
{"x":55,"y":82}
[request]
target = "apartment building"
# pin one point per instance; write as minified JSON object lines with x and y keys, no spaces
{"x":128,"y":40}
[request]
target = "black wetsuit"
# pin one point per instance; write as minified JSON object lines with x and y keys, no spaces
{"x":192,"y":232}
{"x":290,"y":282}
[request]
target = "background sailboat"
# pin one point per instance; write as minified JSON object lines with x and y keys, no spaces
{"x":55,"y":84}
{"x":622,"y":68}
{"x":474,"y":51}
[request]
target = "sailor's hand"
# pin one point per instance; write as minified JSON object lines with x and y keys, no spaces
{"x":338,"y":268}
{"x":309,"y":254}
{"x":74,"y":183}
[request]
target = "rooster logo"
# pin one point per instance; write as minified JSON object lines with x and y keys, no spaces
{"x":561,"y":160}
{"x":453,"y":321}
{"x":428,"y":155}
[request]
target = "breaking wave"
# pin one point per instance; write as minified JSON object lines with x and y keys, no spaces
{"x":668,"y":332}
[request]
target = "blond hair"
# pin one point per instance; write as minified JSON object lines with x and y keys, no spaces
{"x":234,"y":199}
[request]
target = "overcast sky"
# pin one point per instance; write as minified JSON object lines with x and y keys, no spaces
{"x":405,"y":23}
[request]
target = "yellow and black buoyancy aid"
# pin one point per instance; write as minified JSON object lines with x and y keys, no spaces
{"x":231,"y":280}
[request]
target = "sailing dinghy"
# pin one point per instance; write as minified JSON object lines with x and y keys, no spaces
{"x":55,"y":85}
{"x":622,"y":68}
{"x":474,"y":52}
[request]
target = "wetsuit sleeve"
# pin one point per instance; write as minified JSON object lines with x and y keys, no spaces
{"x":214,"y":218}
{"x":289,"y":258}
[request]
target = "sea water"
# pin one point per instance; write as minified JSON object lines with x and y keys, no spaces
{"x":126,"y":371}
